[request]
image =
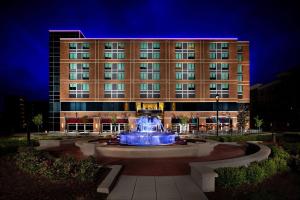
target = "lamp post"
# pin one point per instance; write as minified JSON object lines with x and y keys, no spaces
{"x":217,"y":100}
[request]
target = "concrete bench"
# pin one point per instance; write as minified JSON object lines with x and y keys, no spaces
{"x":204,"y":177}
{"x":262,"y":154}
{"x":107,"y":184}
{"x":87,"y":148}
{"x":46,"y":144}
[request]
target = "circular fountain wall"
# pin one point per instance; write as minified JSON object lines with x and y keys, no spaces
{"x":149,"y":132}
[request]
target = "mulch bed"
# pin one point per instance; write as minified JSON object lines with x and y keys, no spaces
{"x":15,"y":184}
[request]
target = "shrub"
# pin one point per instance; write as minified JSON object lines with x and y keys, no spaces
{"x":10,"y":145}
{"x":292,"y":148}
{"x":269,"y":167}
{"x":42,"y":163}
{"x":255,"y":173}
{"x":242,"y":138}
{"x":231,"y":177}
{"x":278,"y":152}
{"x":87,"y":169}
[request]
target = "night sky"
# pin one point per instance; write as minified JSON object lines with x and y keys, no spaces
{"x":272,"y":28}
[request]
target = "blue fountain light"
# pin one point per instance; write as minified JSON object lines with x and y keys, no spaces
{"x":149,"y":132}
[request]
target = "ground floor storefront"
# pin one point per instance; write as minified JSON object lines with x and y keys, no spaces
{"x":116,"y":122}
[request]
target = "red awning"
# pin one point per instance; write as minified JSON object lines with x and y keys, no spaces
{"x":119,"y":121}
{"x":78,"y":120}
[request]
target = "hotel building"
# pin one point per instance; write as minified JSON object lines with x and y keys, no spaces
{"x":104,"y":84}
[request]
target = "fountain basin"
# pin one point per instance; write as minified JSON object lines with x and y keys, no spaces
{"x":147,"y":138}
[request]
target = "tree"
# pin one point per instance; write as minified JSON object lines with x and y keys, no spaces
{"x":242,"y":117}
{"x":114,"y":122}
{"x":184,"y":121}
{"x":38,"y":121}
{"x":258,"y":122}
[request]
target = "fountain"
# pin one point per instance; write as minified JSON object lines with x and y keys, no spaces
{"x":149,"y":132}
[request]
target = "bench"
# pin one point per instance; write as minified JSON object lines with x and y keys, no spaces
{"x":107,"y":184}
{"x":204,"y":177}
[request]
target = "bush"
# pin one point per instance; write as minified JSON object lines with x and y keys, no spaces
{"x":10,"y":145}
{"x":87,"y":169}
{"x":242,"y":138}
{"x":278,"y":152}
{"x":292,"y":148}
{"x":231,"y":177}
{"x":269,"y":167}
{"x":42,"y":163}
{"x":255,"y":173}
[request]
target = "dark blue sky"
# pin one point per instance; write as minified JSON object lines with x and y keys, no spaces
{"x":272,"y":27}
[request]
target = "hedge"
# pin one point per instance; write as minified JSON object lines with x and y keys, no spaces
{"x":256,"y":172}
{"x":10,"y":145}
{"x":67,"y":167}
{"x":242,"y":138}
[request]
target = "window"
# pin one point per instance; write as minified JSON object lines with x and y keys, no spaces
{"x":72,"y":45}
{"x":240,"y":68}
{"x":240,"y":72}
{"x":185,"y":50}
{"x":73,"y":56}
{"x":219,"y":71}
{"x":85,"y":45}
{"x":114,"y":90}
{"x":149,"y":50}
{"x":185,"y":90}
{"x":185,"y":71}
{"x":79,"y":50}
{"x":150,"y":90}
{"x":212,"y":75}
{"x":240,"y":77}
{"x":240,"y":91}
{"x":240,"y":57}
{"x":114,"y":50}
{"x":239,"y":48}
{"x":219,"y":50}
{"x":114,"y":71}
{"x":78,"y":90}
{"x":85,"y":56}
{"x":79,"y":71}
{"x":150,"y":71}
{"x":219,"y":88}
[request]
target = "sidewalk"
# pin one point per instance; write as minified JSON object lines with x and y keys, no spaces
{"x":156,"y":188}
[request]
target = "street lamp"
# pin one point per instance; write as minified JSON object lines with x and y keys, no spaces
{"x":217,"y":100}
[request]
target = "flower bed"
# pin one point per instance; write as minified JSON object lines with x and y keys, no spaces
{"x":43,"y":164}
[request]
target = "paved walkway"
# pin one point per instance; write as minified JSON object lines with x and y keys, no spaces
{"x":156,"y":188}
